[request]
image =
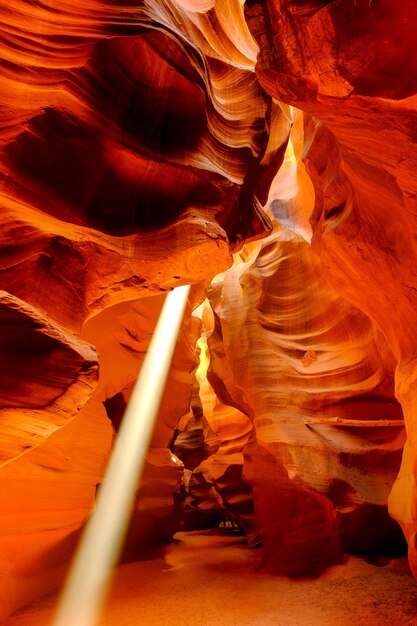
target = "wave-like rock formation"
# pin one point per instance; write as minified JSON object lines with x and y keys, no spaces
{"x":55,"y":439}
{"x":134,"y":157}
{"x":32,"y":407}
{"x":46,"y":495}
{"x":313,"y":375}
{"x":122,"y":334}
{"x":57,"y":452}
{"x":118,"y":125}
{"x":139,"y":143}
{"x":351,"y":68}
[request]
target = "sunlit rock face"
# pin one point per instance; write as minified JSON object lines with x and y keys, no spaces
{"x":215,"y":490}
{"x":198,"y":502}
{"x":129,"y":120}
{"x":137,"y":148}
{"x":134,"y":157}
{"x":57,"y":436}
{"x":46,"y":495}
{"x":55,"y":439}
{"x":47,"y":376}
{"x":314,"y":375}
{"x":351,"y":67}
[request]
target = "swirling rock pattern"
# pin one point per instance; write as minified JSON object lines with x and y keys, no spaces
{"x":117,"y":126}
{"x":131,"y":139}
{"x":32,"y":407}
{"x":347,"y":64}
{"x":215,"y":488}
{"x":54,"y":442}
{"x":297,"y":352}
{"x":122,"y":334}
{"x":137,"y":147}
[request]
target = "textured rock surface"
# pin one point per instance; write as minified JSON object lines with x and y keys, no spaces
{"x":137,"y":148}
{"x":46,"y":496}
{"x":298,"y":355}
{"x":114,"y":128}
{"x":55,"y":438}
{"x":47,"y":491}
{"x":131,"y":161}
{"x":122,"y":334}
{"x":349,"y":67}
{"x":33,"y":406}
{"x":214,"y":489}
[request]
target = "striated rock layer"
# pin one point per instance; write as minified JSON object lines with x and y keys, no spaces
{"x":55,"y":438}
{"x":214,"y":490}
{"x":54,"y":441}
{"x":351,"y":68}
{"x":47,"y":489}
{"x":116,"y":126}
{"x":137,"y":149}
{"x":33,"y":406}
{"x":134,"y":157}
{"x":315,"y":376}
{"x":122,"y":334}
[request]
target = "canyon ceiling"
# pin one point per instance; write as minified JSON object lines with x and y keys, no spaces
{"x":265,"y":154}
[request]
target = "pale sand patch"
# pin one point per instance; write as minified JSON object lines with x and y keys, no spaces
{"x":212,"y":579}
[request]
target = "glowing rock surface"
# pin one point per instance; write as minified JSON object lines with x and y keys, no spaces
{"x":349,"y":68}
{"x":139,"y":144}
{"x":297,"y":357}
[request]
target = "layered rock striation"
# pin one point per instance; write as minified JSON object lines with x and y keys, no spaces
{"x":139,"y":144}
{"x":315,"y":376}
{"x":130,"y":138}
{"x":350,"y":68}
{"x":127,"y":121}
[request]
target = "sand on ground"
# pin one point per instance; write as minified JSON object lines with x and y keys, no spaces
{"x":211,"y":578}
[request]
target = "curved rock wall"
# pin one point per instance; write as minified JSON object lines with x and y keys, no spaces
{"x":54,"y":441}
{"x":122,"y":334}
{"x":215,"y":489}
{"x":137,"y":148}
{"x":130,"y":137}
{"x":352,"y":69}
{"x":117,"y":122}
{"x":313,"y":374}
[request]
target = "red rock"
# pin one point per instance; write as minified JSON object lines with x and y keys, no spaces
{"x":351,"y":70}
{"x":47,"y":376}
{"x":316,"y":488}
{"x":215,"y":489}
{"x":137,"y":149}
{"x":122,"y":334}
{"x":46,"y":495}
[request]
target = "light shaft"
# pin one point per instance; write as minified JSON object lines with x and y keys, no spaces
{"x":103,"y":536}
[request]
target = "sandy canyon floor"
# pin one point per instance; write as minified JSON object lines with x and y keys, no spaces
{"x":211,"y":578}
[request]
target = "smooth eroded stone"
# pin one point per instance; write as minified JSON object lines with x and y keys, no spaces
{"x":350,"y":67}
{"x":297,"y":358}
{"x":47,"y":375}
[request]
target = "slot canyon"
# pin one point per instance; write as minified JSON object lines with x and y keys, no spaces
{"x":263,"y":153}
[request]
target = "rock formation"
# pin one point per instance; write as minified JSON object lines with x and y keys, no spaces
{"x":139,"y":146}
{"x":348,"y":66}
{"x":215,"y":489}
{"x":313,"y":374}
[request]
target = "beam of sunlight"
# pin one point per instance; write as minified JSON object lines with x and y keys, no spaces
{"x":103,"y":537}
